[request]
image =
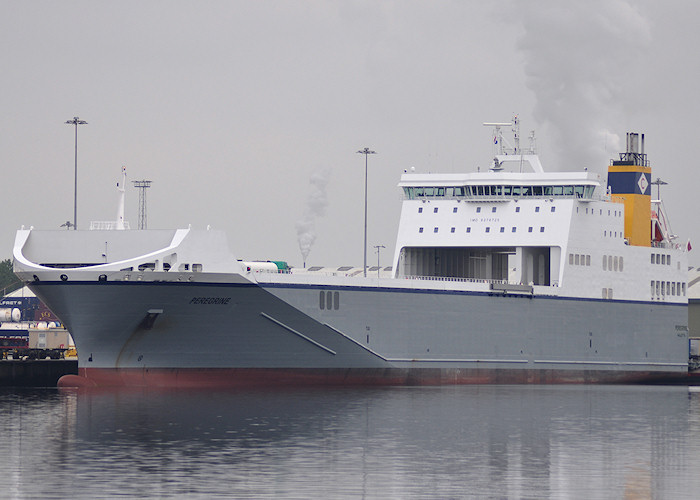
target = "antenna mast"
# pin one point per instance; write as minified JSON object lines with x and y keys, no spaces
{"x":142,"y":186}
{"x":506,"y":152}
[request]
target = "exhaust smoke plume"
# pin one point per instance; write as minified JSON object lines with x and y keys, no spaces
{"x":582,"y":60}
{"x":315,"y":207}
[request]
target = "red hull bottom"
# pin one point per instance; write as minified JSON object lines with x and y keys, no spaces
{"x":286,"y":377}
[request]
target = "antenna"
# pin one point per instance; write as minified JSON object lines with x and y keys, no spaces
{"x":498,"y":141}
{"x":506,"y":152}
{"x":658,"y":183}
{"x":142,"y":186}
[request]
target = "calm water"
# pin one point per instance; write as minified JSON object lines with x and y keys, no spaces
{"x":449,"y":442}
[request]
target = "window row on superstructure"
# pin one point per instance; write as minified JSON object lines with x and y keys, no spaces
{"x":478,"y":209}
{"x":661,"y":258}
{"x":670,"y":288}
{"x":576,"y":259}
{"x":611,"y":213}
{"x":609,"y":234}
{"x":506,"y":191}
{"x":487,"y":229}
{"x":613,"y":263}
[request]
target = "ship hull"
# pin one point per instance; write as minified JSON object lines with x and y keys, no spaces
{"x":233,"y":378}
{"x":236,"y":334}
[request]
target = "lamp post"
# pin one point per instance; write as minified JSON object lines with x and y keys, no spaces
{"x":76,"y":121}
{"x":366,"y":152}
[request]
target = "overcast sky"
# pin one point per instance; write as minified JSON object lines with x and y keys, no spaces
{"x":246,"y":114}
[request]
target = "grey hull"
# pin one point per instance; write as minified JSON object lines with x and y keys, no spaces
{"x":305,"y":332}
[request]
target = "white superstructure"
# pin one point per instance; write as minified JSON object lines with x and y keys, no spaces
{"x":562,"y":233}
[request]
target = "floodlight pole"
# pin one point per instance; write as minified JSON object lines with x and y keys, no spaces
{"x":142,"y":186}
{"x":366,"y":152}
{"x":75,"y":121}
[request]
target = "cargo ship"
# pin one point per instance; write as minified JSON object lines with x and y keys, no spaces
{"x":511,"y":275}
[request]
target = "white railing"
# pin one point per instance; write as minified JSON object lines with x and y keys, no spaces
{"x":107,"y":225}
{"x":460,"y":280}
{"x":554,"y":284}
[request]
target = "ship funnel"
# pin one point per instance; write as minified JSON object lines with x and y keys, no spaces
{"x":629,"y":181}
{"x":635,"y":149}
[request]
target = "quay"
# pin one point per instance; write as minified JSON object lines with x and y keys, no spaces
{"x":35,"y":372}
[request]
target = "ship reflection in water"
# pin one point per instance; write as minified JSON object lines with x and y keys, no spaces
{"x":439,"y":442}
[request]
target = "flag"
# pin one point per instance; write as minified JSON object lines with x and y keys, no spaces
{"x":690,"y":247}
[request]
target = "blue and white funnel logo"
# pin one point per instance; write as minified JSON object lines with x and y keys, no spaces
{"x":643,"y":184}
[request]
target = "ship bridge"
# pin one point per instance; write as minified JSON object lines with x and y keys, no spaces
{"x":502,"y":225}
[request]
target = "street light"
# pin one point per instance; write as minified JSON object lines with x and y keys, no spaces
{"x":366,"y":152}
{"x":76,"y":121}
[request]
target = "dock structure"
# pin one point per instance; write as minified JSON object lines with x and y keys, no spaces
{"x":35,"y":373}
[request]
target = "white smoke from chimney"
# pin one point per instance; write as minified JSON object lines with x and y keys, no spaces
{"x":582,"y":61}
{"x":315,"y":207}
